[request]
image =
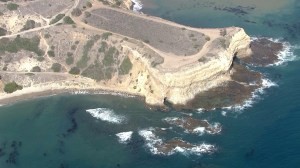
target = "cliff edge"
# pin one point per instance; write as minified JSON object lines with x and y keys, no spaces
{"x":113,"y":50}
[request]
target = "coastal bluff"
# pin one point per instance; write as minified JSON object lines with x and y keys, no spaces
{"x":180,"y":82}
{"x":113,"y":50}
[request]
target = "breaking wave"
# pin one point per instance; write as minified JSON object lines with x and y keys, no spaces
{"x":286,"y":54}
{"x":137,"y":5}
{"x":266,"y":83}
{"x":85,"y":92}
{"x":124,"y":137}
{"x":151,"y":139}
{"x":107,"y":115}
{"x":195,"y":126}
{"x":158,"y":147}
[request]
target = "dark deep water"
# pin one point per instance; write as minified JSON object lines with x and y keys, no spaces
{"x":57,"y":131}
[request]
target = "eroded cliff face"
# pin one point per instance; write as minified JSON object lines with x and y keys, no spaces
{"x":181,"y":85}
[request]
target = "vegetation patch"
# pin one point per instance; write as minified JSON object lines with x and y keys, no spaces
{"x":74,"y":71}
{"x":69,"y":60}
{"x":87,"y":14}
{"x":12,"y":87}
{"x":30,"y":24}
{"x":51,"y":53}
{"x":82,"y":63}
{"x":2,"y":31}
{"x":40,"y":59}
{"x":108,"y":59}
{"x":103,"y":47}
{"x":106,"y":35}
{"x":56,"y":67}
{"x":19,"y":43}
{"x":36,"y":69}
{"x":12,"y":6}
{"x":76,"y":12}
{"x":94,"y":71}
{"x":108,"y":73}
{"x":89,"y":4}
{"x":68,"y":20}
{"x":57,"y":18}
{"x":125,"y":67}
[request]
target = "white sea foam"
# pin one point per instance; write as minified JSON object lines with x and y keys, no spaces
{"x":200,"y":110}
{"x":224,"y":113}
{"x":286,"y":54}
{"x":195,"y":150}
{"x":152,"y":141}
{"x":84,"y":92}
{"x":266,"y":83}
{"x":216,"y":127}
{"x":80,"y":92}
{"x":124,"y":137}
{"x":198,"y":130}
{"x":107,"y":115}
{"x":137,"y":5}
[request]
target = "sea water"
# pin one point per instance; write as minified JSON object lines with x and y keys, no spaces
{"x":91,"y":131}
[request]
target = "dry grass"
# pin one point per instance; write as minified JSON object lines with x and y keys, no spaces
{"x":162,"y":36}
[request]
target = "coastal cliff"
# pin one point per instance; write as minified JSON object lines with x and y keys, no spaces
{"x":100,"y":52}
{"x":182,"y":84}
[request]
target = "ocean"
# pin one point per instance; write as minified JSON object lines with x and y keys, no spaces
{"x":91,"y":131}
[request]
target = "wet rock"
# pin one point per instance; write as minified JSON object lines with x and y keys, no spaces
{"x":230,"y":93}
{"x":264,"y":52}
{"x":241,"y":74}
{"x":192,"y":125}
{"x":169,"y":146}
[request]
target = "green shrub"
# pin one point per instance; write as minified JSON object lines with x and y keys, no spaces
{"x":56,"y":67}
{"x":2,"y":31}
{"x":36,"y":69}
{"x":87,"y":14}
{"x":76,"y":12}
{"x":94,"y":71}
{"x":68,"y":20}
{"x":108,"y":59}
{"x":192,"y":35}
{"x":57,"y":18}
{"x":51,"y":53}
{"x":82,"y":63}
{"x":30,"y":24}
{"x":103,"y":47}
{"x":19,"y":43}
{"x":12,"y":6}
{"x":88,"y":4}
{"x":146,"y":41}
{"x":106,"y":35}
{"x":47,"y":36}
{"x":40,"y":59}
{"x":12,"y":87}
{"x":73,"y":47}
{"x":74,"y":71}
{"x":69,"y":60}
{"x":125,"y":67}
{"x":69,"y":54}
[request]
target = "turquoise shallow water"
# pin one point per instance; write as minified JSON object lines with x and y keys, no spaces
{"x":58,"y":132}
